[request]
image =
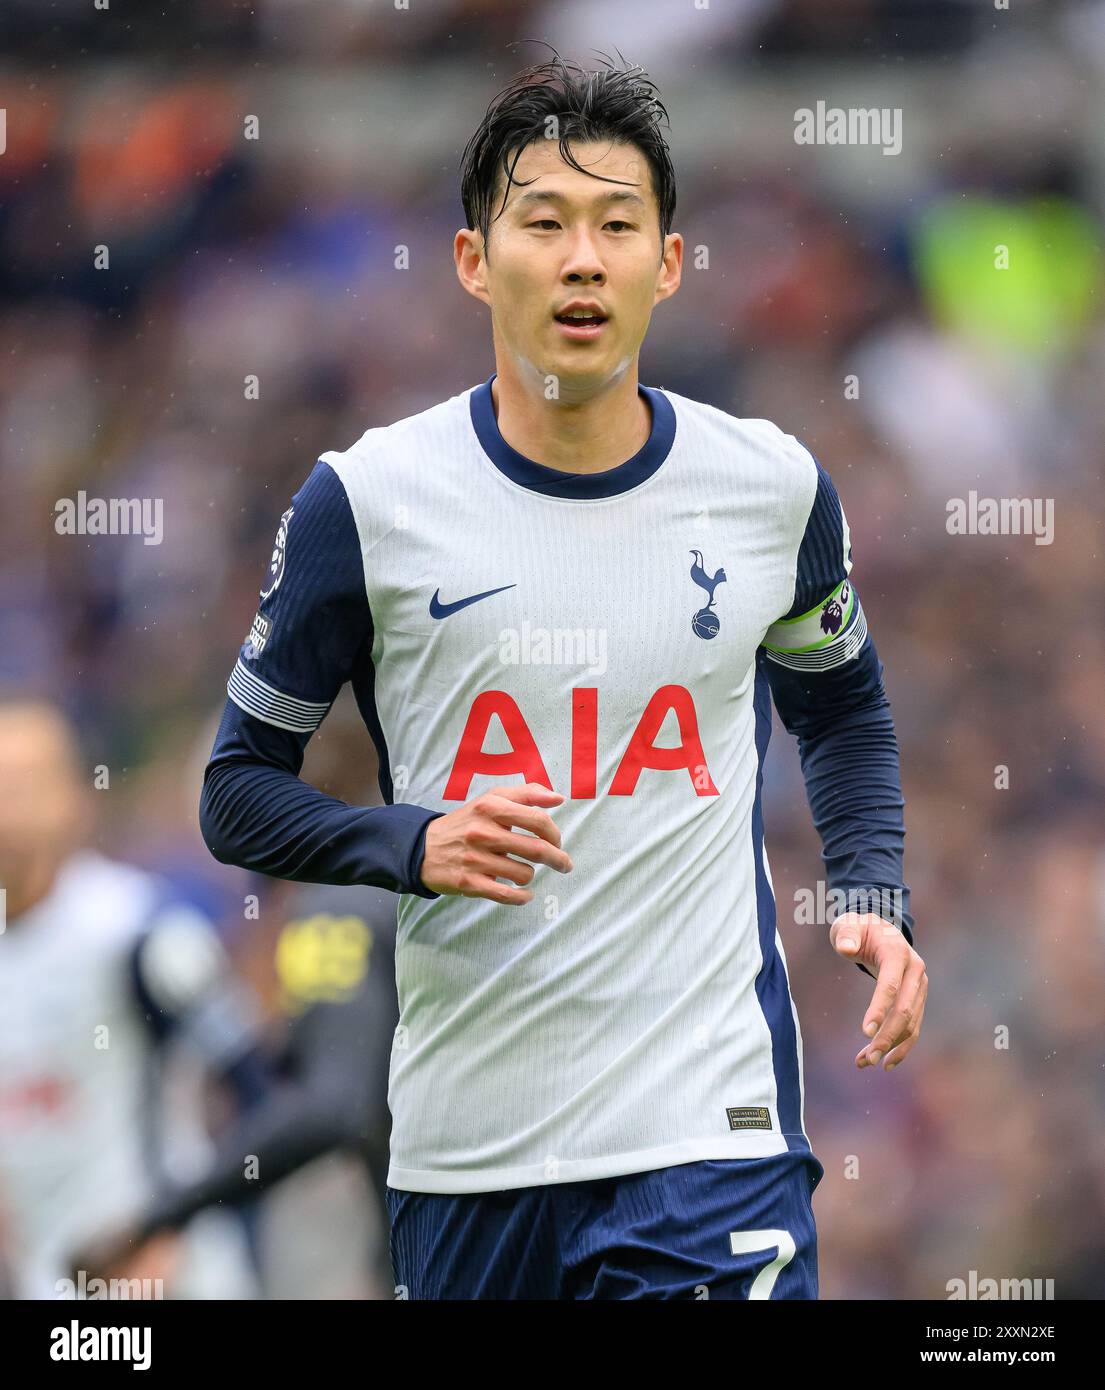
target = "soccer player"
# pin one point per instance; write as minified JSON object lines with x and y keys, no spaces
{"x":111,"y":993}
{"x":335,"y":962}
{"x":564,"y":601}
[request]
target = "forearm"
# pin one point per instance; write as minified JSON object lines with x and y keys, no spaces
{"x":295,"y":1125}
{"x":256,"y":812}
{"x":268,"y":820}
{"x":849,"y":754}
{"x":853,"y":784}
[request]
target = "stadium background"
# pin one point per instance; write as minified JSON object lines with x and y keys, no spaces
{"x":275,"y":257}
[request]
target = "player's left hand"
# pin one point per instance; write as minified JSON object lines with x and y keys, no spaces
{"x":893,"y":1020}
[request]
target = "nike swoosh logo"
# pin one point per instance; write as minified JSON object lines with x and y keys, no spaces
{"x":443,"y":610}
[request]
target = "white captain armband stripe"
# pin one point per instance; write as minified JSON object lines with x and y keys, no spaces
{"x":266,"y":703}
{"x":827,"y":636}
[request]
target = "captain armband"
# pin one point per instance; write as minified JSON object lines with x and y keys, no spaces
{"x":830,"y":634}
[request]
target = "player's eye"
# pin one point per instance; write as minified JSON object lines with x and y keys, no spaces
{"x":552,"y":224}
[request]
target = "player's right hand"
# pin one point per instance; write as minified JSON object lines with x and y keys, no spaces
{"x":468,"y":849}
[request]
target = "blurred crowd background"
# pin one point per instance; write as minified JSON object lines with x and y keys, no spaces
{"x":274,"y":257}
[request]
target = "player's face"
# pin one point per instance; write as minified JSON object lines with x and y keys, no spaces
{"x":565,"y":236}
{"x":40,"y":797}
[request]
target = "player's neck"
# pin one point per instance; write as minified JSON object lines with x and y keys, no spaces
{"x":29,"y":886}
{"x":587,"y":436}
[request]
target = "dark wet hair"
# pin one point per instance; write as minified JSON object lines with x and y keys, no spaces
{"x":616,"y":102}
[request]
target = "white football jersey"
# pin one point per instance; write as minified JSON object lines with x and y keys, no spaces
{"x":606,"y":635}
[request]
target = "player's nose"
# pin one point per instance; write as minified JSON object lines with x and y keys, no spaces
{"x":583,"y":261}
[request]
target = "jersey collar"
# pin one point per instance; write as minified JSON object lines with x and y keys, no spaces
{"x":554,"y":482}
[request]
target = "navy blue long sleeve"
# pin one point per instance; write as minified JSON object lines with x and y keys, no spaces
{"x":849,"y":756}
{"x":312,"y":633}
{"x":826,"y":680}
{"x":257,"y":813}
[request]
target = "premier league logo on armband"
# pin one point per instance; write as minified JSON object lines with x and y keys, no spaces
{"x":706,"y":623}
{"x":279,"y":548}
{"x":833,"y":610}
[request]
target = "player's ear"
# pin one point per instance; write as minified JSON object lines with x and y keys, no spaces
{"x":670,"y":272}
{"x":471,"y":264}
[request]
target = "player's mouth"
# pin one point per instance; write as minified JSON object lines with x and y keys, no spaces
{"x":581,"y":320}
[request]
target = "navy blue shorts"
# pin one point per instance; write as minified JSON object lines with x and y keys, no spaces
{"x":719,"y":1228}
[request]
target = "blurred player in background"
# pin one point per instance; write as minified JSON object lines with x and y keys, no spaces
{"x":117,"y":1004}
{"x":323,"y":959}
{"x":335,"y":961}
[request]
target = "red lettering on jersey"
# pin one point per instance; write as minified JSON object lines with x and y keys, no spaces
{"x":642,"y":752}
{"x":40,"y":1097}
{"x":523,"y":757}
{"x":585,"y":734}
